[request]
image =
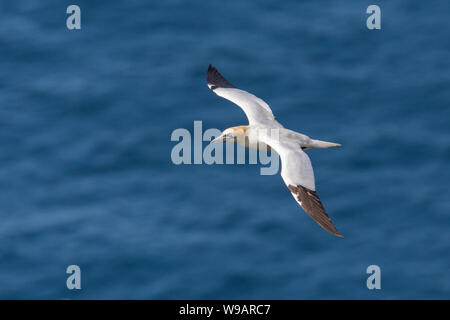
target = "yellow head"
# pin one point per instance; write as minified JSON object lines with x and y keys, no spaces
{"x":233,"y":134}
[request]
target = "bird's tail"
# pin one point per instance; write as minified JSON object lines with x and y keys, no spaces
{"x":323,"y":144}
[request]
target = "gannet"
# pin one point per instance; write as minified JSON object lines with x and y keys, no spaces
{"x":264,"y":132}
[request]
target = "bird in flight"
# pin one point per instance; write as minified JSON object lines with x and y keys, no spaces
{"x":264,"y":132}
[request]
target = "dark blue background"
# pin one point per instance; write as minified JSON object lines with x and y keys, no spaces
{"x":86,"y":176}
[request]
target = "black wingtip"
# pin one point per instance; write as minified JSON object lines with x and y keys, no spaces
{"x":310,"y":202}
{"x":216,"y":80}
{"x":339,"y":235}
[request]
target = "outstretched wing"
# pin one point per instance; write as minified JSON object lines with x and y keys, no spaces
{"x":256,"y":110}
{"x":298,"y":175}
{"x":310,"y":202}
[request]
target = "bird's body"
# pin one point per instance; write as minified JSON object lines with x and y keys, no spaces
{"x":264,"y":132}
{"x":252,"y":141}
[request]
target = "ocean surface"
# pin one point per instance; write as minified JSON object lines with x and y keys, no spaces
{"x":86,"y":175}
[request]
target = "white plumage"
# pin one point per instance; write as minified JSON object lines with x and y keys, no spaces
{"x":263,"y":130}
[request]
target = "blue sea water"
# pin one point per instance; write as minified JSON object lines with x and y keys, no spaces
{"x":87,"y":178}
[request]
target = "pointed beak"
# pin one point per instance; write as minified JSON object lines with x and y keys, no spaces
{"x":218,"y":139}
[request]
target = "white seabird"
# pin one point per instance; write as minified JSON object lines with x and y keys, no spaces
{"x":262,"y":132}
